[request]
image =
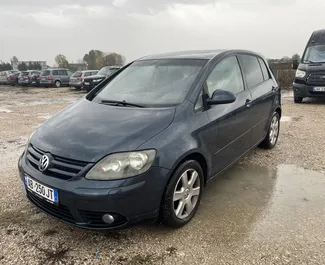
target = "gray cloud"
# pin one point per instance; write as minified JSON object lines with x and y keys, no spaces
{"x":38,"y":29}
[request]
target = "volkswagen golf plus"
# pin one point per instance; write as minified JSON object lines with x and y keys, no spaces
{"x":145,"y":141}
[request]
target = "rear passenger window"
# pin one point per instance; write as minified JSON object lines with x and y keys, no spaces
{"x":55,"y":72}
{"x":63,"y":72}
{"x":265,"y":72}
{"x":252,"y":70}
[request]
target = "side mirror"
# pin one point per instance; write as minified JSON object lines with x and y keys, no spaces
{"x":295,"y":64}
{"x":221,"y":97}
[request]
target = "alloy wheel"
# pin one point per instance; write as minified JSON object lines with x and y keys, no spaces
{"x":186,"y":193}
{"x":274,"y":130}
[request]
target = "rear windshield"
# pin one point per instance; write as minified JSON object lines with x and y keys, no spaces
{"x":77,"y":74}
{"x":24,"y":73}
{"x":46,"y":73}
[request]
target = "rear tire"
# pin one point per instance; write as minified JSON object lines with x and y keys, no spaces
{"x":183,"y":194}
{"x":272,"y":135}
{"x":297,"y":99}
{"x":57,"y":84}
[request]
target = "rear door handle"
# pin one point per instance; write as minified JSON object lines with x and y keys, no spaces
{"x":248,"y":103}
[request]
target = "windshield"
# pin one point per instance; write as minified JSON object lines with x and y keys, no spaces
{"x":163,"y":82}
{"x":315,"y":54}
{"x":77,"y":74}
{"x":45,"y":73}
{"x":103,"y":71}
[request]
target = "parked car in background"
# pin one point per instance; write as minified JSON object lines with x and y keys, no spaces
{"x":77,"y":79}
{"x":144,"y":142}
{"x":36,"y":77}
{"x":4,"y":76}
{"x":105,"y":72}
{"x":310,"y":74}
{"x":55,"y":77}
{"x":26,"y":77}
{"x":13,"y":78}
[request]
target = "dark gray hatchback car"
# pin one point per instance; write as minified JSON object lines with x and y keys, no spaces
{"x":145,"y":141}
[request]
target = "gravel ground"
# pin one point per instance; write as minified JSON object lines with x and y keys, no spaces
{"x":266,"y":210}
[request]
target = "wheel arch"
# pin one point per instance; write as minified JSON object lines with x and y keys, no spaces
{"x":196,"y":155}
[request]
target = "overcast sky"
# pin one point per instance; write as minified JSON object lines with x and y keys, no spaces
{"x":41,"y":29}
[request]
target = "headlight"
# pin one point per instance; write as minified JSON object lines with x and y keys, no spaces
{"x":122,"y":165}
{"x":300,"y":74}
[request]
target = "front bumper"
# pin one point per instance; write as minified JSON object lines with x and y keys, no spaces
{"x":83,"y":202}
{"x":301,"y":90}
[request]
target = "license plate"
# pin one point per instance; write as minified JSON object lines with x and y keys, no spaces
{"x":43,"y":191}
{"x":87,"y":83}
{"x":319,"y":89}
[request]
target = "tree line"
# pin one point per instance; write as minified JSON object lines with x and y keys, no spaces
{"x":95,"y":59}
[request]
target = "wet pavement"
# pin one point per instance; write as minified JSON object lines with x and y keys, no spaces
{"x":268,"y":209}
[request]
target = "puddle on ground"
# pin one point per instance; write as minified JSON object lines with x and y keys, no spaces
{"x":253,"y":203}
{"x":3,"y":110}
{"x":286,"y":118}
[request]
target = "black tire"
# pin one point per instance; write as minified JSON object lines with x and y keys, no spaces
{"x":57,"y":83}
{"x":297,"y":99}
{"x":168,"y":216}
{"x":267,"y":143}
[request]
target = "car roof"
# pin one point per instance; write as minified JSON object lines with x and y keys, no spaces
{"x":318,"y":37}
{"x":196,"y":54}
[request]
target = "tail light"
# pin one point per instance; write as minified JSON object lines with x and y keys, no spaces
{"x":50,"y":78}
{"x":38,"y":78}
{"x":107,"y":76}
{"x":80,"y":79}
{"x":6,"y":76}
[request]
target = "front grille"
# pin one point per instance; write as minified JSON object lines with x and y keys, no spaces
{"x":61,"y":211}
{"x":94,"y":219}
{"x":62,"y":168}
{"x":316,"y":78}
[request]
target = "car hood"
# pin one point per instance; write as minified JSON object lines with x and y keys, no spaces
{"x":88,"y":131}
{"x":94,"y":77}
{"x":312,"y":67}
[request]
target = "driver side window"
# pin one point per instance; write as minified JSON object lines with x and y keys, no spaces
{"x":226,"y":76}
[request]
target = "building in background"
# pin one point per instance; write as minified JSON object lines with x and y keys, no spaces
{"x":42,"y":63}
{"x":77,"y":66}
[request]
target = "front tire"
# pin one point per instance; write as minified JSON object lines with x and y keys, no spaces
{"x":183,"y":194}
{"x":272,"y":135}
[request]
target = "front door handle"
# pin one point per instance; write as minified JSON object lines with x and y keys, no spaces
{"x":248,"y":103}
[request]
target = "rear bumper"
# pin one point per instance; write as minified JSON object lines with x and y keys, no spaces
{"x":23,"y":82}
{"x":303,"y":91}
{"x":46,"y":82}
{"x":83,"y":202}
{"x":75,"y":84}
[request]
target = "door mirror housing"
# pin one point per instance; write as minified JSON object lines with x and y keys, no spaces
{"x":221,"y":97}
{"x":295,"y":64}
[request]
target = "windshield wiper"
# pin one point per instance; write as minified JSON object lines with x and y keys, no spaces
{"x":120,"y":103}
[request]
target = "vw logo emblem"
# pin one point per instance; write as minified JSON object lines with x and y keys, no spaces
{"x":43,"y":163}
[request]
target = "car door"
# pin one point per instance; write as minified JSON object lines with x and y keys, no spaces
{"x":261,"y":86}
{"x":229,"y":129}
{"x":64,"y":77}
